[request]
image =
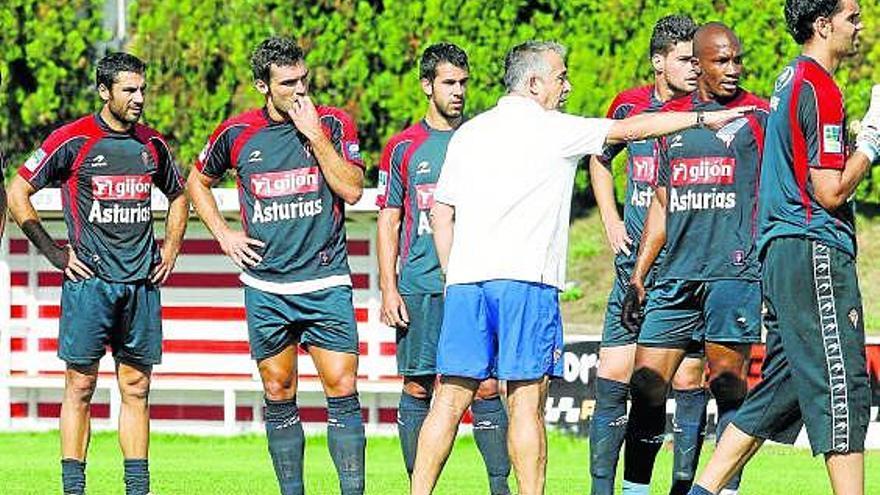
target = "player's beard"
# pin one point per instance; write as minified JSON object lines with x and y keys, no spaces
{"x":125,"y":114}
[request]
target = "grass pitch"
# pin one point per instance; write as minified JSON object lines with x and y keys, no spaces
{"x":190,"y":465}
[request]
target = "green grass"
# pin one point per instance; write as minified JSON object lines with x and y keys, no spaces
{"x":240,"y":465}
{"x":591,"y":271}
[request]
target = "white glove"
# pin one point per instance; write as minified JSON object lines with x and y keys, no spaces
{"x":868,"y":139}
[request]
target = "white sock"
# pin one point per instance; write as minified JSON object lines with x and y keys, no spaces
{"x":630,"y":488}
{"x":728,"y":491}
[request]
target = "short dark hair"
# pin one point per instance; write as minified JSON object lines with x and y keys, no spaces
{"x":671,"y":30}
{"x":801,"y":14}
{"x":437,"y":53}
{"x":113,"y":63}
{"x":282,"y":52}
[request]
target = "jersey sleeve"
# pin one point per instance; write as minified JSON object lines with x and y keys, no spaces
{"x":617,"y":111}
{"x":52,"y":161}
{"x":822,"y":125}
{"x":343,"y":134}
{"x":167,"y":177}
{"x":216,"y":157}
{"x":391,"y":175}
{"x":579,"y":136}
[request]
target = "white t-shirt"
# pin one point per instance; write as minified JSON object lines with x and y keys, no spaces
{"x":509,"y":173}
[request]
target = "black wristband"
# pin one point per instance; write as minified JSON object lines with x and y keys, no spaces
{"x":56,"y":255}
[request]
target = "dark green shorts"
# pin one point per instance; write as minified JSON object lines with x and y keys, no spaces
{"x":96,"y":313}
{"x":814,"y":372}
{"x":324,"y":318}
{"x":680,"y":312}
{"x":417,"y":344}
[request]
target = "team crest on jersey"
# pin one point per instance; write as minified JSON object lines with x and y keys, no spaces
{"x":784,"y":78}
{"x":832,"y":139}
{"x":728,"y":133}
{"x":145,"y":157}
{"x":354,"y":151}
{"x":35,"y":159}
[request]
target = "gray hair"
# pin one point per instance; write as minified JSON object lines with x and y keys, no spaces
{"x":526,"y":59}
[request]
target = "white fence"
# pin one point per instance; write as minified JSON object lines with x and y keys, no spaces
{"x":207,"y":381}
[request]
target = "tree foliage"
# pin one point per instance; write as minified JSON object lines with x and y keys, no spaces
{"x":364,"y":56}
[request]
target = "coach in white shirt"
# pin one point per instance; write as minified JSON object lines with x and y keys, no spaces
{"x":500,"y":222}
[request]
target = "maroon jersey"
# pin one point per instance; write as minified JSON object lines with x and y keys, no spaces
{"x":106,"y":180}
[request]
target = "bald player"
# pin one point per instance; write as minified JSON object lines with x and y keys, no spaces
{"x":707,"y":286}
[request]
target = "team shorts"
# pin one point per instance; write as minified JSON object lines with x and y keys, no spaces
{"x":96,"y":313}
{"x":508,"y":329}
{"x":679,"y":312}
{"x":814,"y":372}
{"x":324,"y":318}
{"x":417,"y":343}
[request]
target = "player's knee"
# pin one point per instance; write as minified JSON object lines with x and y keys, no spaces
{"x":80,"y":388}
{"x":418,"y":387}
{"x":134,"y":388}
{"x":488,"y":389}
{"x":728,"y":388}
{"x":687,"y":379}
{"x":648,"y":388}
{"x":340,"y":385}
{"x":278,"y":387}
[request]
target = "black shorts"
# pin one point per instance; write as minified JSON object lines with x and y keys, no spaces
{"x":814,"y":372}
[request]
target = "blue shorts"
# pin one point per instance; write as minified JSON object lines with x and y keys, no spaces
{"x":722,"y":311}
{"x":506,"y":329}
{"x":96,"y":313}
{"x":324,"y":318}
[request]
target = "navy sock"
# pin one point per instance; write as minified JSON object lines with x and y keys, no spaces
{"x":490,"y":433}
{"x":73,"y":476}
{"x":726,"y":413}
{"x":699,"y":490}
{"x":646,"y":427}
{"x":607,"y":431}
{"x":347,"y":442}
{"x":286,"y":444}
{"x":411,"y":413}
{"x":137,"y":477}
{"x":689,"y":424}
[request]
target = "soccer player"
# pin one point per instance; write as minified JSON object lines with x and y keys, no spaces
{"x":412,"y":301}
{"x":296,"y":165}
{"x":107,"y":164}
{"x":707,"y":286}
{"x":675,"y":75}
{"x":814,"y":372}
{"x":505,"y":189}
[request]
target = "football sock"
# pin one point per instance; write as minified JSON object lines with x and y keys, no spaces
{"x":607,"y":431}
{"x":699,"y":490}
{"x":73,"y":476}
{"x":286,"y":444}
{"x":411,"y":413}
{"x":137,"y":477}
{"x":490,"y":433}
{"x":689,"y":424}
{"x":347,"y":442}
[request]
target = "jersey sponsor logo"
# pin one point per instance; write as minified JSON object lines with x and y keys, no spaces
{"x":255,"y":156}
{"x":832,"y":139}
{"x":118,"y":214}
{"x":644,"y":169}
{"x":784,"y":78}
{"x":703,"y":200}
{"x":425,"y":196}
{"x":704,"y":170}
{"x":286,"y":183}
{"x":286,"y":210}
{"x":728,"y":133}
{"x":641,"y":196}
{"x":121,"y":187}
{"x":35,"y":159}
